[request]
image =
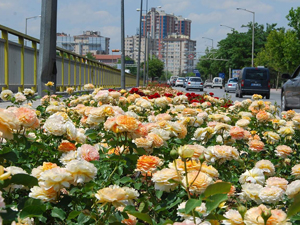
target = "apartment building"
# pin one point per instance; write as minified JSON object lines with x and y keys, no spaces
{"x":132,"y":47}
{"x":159,"y":24}
{"x":89,"y":41}
{"x":178,"y":54}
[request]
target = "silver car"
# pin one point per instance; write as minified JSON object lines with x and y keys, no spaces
{"x":179,"y":81}
{"x":194,"y":83}
{"x":290,"y":91}
{"x":231,"y":85}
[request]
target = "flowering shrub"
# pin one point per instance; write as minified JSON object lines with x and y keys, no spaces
{"x":148,"y":156}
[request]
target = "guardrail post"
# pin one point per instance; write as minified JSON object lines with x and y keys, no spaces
{"x":75,"y":61}
{"x":34,"y":46}
{"x":69,"y":69}
{"x":6,"y":65}
{"x":21,"y":42}
{"x":62,"y":87}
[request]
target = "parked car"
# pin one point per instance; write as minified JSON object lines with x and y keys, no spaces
{"x":172,"y":82}
{"x":290,"y":91}
{"x":208,"y":83}
{"x":194,"y":83}
{"x":179,"y":81}
{"x":253,"y":80}
{"x":217,"y":82}
{"x":231,"y":85}
{"x":185,"y":81}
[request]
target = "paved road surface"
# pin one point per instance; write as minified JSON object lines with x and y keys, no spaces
{"x":275,"y":95}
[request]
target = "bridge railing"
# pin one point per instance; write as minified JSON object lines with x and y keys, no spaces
{"x":19,"y":66}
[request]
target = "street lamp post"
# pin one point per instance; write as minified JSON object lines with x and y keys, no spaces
{"x":252,"y":62}
{"x":212,"y":45}
{"x":122,"y":46}
{"x":139,"y":53}
{"x":146,"y":41}
{"x":232,"y":29}
{"x":28,"y":18}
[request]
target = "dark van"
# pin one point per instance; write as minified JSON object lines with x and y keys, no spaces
{"x":253,"y":80}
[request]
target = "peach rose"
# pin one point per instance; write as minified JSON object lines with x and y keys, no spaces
{"x":46,"y":195}
{"x":296,"y":171}
{"x":278,"y":217}
{"x":66,"y":146}
{"x":237,"y":133}
{"x":197,"y":182}
{"x":278,"y":182}
{"x":126,"y":123}
{"x":283,"y":151}
{"x":148,"y":164}
{"x":8,"y":122}
{"x":161,"y":179}
{"x":88,"y":152}
{"x":256,"y":145}
{"x":266,"y":166}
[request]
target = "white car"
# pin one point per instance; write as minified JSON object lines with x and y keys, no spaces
{"x":231,"y":85}
{"x":217,"y":82}
{"x":179,"y":81}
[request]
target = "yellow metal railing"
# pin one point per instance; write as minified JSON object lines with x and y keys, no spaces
{"x":84,"y":70}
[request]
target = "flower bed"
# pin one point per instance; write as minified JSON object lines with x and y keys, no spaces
{"x":148,"y":156}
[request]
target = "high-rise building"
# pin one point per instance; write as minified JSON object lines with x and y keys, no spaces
{"x":89,"y":41}
{"x":159,"y":24}
{"x":132,"y":47}
{"x":178,"y":54}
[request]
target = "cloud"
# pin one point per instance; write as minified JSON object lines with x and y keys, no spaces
{"x":114,"y":33}
{"x":181,"y":5}
{"x":84,"y":13}
{"x":205,"y":18}
{"x":258,"y":6}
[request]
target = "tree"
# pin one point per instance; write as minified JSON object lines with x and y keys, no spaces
{"x":273,"y":53}
{"x":294,"y":20}
{"x":90,"y":55}
{"x":235,"y":49}
{"x":156,"y":68}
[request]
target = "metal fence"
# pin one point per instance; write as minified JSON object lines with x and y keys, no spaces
{"x":19,"y":63}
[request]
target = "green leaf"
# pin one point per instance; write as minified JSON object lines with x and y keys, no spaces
{"x":20,"y":178}
{"x":33,"y":211}
{"x":59,"y":213}
{"x":24,"y":179}
{"x":142,"y":216}
{"x":295,"y":206}
{"x":11,"y":156}
{"x":73,"y":215}
{"x":82,"y":218}
{"x":159,"y":194}
{"x":215,"y":217}
{"x":124,"y":180}
{"x":217,"y":188}
{"x":214,"y":201}
{"x":192,"y":204}
{"x":9,"y":214}
{"x":168,"y":222}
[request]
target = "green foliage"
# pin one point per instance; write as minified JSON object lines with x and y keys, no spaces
{"x":156,"y":67}
{"x":294,"y":207}
{"x":90,"y":55}
{"x":236,"y":48}
{"x":294,"y":20}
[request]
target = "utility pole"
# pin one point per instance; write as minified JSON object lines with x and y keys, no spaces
{"x":122,"y":46}
{"x":47,"y":59}
{"x":139,"y":53}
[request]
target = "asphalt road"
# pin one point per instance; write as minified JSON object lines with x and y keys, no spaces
{"x":275,"y":96}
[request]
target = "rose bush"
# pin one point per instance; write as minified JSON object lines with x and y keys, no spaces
{"x":147,"y":156}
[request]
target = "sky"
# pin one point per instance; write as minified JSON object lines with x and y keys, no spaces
{"x":76,"y":16}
